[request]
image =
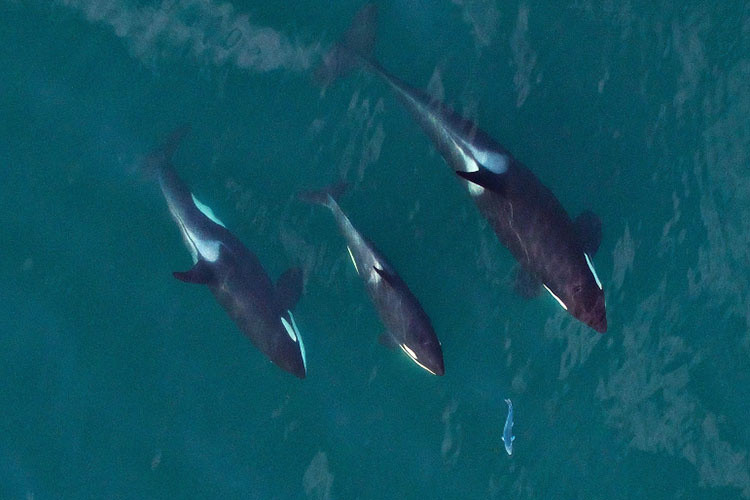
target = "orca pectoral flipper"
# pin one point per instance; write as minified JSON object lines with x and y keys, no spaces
{"x":289,"y":288}
{"x":526,"y":285}
{"x":387,"y":340}
{"x":484,"y":178}
{"x":200,"y":274}
{"x":589,"y":229}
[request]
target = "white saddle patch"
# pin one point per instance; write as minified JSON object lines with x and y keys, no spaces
{"x":207,"y":249}
{"x":496,"y":163}
{"x":492,"y":161}
{"x":470,"y":166}
{"x":375,"y":276}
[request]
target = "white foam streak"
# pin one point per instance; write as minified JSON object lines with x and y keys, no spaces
{"x":483,"y":16}
{"x":212,"y":32}
{"x":524,"y":57}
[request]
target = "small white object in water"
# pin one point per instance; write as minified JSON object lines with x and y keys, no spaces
{"x":508,"y":436}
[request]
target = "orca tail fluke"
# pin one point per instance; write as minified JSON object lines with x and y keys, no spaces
{"x":326,"y":196}
{"x":353,"y":49}
{"x":162,"y":155}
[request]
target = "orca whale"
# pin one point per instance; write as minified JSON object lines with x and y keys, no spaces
{"x":407,"y":325}
{"x":552,"y":250}
{"x":261,"y":309}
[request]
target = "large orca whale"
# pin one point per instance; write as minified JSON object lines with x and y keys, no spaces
{"x":553,"y":251}
{"x":407,"y":325}
{"x":262,"y":310}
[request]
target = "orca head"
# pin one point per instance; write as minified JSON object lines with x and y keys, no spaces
{"x":425,"y":350}
{"x":586,"y":303}
{"x":293,"y":364}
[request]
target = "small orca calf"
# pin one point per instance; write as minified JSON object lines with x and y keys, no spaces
{"x":508,"y":436}
{"x":553,"y":251}
{"x":407,"y":325}
{"x":262,"y":310}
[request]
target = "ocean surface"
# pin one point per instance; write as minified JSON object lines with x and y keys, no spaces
{"x":118,"y":381}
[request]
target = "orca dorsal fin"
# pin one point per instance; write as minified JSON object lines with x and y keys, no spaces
{"x":484,"y":178}
{"x":199,"y":274}
{"x":289,"y":288}
{"x":589,"y":229}
{"x":388,"y":277}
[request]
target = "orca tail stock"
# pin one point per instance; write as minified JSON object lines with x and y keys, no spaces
{"x":160,"y":156}
{"x":352,"y":50}
{"x":327,"y":196}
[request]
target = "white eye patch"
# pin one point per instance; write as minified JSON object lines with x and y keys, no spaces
{"x":352,"y":257}
{"x":593,"y":271}
{"x":559,"y":301}
{"x":294,"y":334}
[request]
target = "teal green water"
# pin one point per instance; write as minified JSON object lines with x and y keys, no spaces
{"x":117,"y":381}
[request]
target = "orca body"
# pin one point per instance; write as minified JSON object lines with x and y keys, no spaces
{"x":552,"y":250}
{"x":233,"y":273}
{"x":407,"y":325}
